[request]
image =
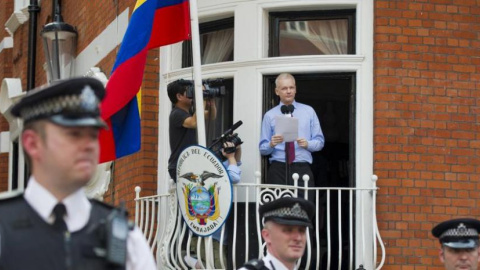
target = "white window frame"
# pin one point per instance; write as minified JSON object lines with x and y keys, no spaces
{"x":251,"y":63}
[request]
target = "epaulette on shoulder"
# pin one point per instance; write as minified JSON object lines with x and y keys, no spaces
{"x":112,"y":209}
{"x":105,"y":205}
{"x":255,"y":264}
{"x":10,"y":196}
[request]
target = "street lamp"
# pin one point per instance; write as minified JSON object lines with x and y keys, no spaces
{"x":59,"y":44}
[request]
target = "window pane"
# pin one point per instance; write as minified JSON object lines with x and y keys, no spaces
{"x":313,"y":37}
{"x":224,"y":104}
{"x":217,"y":46}
{"x":216,"y":43}
{"x":317,"y":32}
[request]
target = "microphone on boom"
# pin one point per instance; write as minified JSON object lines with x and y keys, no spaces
{"x":232,"y":128}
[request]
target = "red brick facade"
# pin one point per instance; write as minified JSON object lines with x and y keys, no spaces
{"x":426,"y":142}
{"x":91,"y":18}
{"x":3,"y":160}
{"x":5,"y":72}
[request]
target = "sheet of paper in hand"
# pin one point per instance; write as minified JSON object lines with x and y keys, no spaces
{"x":287,"y":127}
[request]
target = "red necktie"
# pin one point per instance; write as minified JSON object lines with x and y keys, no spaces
{"x":290,"y":152}
{"x":290,"y":146}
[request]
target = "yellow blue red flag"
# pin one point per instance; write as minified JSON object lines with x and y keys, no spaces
{"x":153,"y":23}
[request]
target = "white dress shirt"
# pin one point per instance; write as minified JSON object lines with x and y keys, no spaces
{"x":139,"y":255}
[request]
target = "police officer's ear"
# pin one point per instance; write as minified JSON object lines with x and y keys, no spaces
{"x":31,"y":142}
{"x":266,"y":235}
{"x":441,"y":254}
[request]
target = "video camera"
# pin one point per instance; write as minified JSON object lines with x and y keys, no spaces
{"x":227,"y":136}
{"x":213,"y":88}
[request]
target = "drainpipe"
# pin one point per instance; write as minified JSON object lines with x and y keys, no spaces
{"x":33,"y":10}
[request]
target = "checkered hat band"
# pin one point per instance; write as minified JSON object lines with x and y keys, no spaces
{"x":462,"y":232}
{"x":65,"y":104}
{"x":287,"y":212}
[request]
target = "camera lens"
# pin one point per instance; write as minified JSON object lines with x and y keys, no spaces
{"x":210,"y":92}
{"x":235,"y":139}
{"x":229,"y":150}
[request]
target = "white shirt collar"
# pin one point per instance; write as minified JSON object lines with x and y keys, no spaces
{"x":294,"y":103}
{"x":42,"y":201}
{"x":276,"y":263}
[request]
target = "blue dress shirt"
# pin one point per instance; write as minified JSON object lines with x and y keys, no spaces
{"x":308,"y":128}
{"x":234,"y":172}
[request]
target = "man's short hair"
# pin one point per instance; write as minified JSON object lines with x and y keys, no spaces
{"x":283,"y":76}
{"x":39,"y":127}
{"x":174,"y":88}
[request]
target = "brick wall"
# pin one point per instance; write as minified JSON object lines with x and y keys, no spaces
{"x":5,"y":72}
{"x":90,"y":18}
{"x":427,"y":76}
{"x":3,"y":159}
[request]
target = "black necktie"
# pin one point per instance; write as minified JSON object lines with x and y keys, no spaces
{"x":59,"y":212}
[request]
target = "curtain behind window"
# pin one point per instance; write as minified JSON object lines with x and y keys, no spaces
{"x":329,"y":36}
{"x":218,"y":46}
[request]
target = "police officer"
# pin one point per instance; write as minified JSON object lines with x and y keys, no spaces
{"x":284,"y":232}
{"x":459,"y":243}
{"x":53,"y":225}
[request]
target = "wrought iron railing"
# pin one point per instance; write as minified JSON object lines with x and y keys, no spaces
{"x":345,"y":233}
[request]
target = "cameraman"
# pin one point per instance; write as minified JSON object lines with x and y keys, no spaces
{"x":232,"y":163}
{"x":183,"y":124}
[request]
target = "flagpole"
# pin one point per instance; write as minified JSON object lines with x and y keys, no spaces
{"x":197,"y":73}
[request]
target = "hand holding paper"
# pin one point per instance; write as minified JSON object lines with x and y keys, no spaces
{"x":302,"y":143}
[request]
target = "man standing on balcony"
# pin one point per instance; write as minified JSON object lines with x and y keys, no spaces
{"x":459,"y":243}
{"x":284,"y":232}
{"x":287,"y":158}
{"x":53,"y":225}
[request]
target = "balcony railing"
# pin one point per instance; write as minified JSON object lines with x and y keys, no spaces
{"x":345,"y":233}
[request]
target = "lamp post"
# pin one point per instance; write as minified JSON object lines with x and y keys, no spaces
{"x":33,"y":10}
{"x":59,"y":44}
